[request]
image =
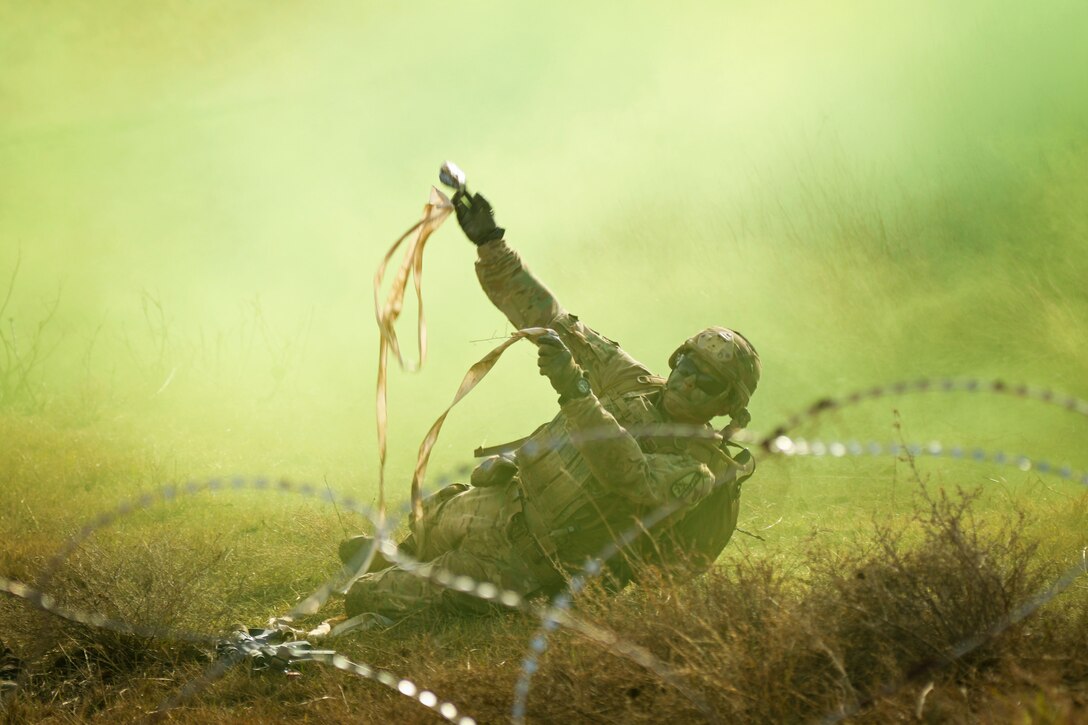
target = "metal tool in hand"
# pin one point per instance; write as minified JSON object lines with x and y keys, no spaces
{"x":452,"y":176}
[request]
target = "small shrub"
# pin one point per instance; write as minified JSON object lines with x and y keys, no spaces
{"x":797,"y":638}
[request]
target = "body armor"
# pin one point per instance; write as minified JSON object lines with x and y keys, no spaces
{"x":545,"y":503}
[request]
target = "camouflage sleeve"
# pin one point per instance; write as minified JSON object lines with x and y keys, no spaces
{"x":620,"y":466}
{"x":526,"y":302}
{"x":512,"y":288}
{"x":703,"y":532}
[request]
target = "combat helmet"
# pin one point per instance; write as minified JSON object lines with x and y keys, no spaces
{"x":728,"y":355}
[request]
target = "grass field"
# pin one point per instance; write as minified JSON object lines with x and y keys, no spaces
{"x":193,"y":200}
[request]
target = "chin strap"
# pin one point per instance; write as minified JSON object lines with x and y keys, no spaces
{"x":740,"y":418}
{"x":738,"y":421}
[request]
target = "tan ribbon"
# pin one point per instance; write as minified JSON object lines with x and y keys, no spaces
{"x":472,"y":378}
{"x":435,"y":212}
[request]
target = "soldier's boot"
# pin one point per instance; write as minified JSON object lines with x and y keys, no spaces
{"x":351,"y":550}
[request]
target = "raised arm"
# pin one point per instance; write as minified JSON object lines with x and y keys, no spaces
{"x":527,"y":302}
{"x":509,"y":285}
{"x":512,"y":288}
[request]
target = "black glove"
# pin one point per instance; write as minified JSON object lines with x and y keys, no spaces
{"x":558,"y":366}
{"x":476,"y":217}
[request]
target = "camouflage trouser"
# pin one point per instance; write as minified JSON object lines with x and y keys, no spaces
{"x":467,"y":532}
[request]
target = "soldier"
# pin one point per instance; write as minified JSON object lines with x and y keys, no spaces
{"x":539,"y":507}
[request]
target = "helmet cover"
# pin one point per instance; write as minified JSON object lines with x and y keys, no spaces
{"x":726,"y":354}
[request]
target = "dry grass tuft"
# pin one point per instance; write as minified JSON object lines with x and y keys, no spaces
{"x":864,"y":629}
{"x":868,"y":629}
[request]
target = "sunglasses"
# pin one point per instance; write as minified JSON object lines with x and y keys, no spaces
{"x":687,"y":366}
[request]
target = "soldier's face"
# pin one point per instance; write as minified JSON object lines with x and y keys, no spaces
{"x":692,"y":393}
{"x":690,"y":373}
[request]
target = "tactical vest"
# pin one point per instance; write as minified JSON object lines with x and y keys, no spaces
{"x":556,"y":484}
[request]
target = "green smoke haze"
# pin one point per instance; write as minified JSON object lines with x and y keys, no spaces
{"x":869,"y":192}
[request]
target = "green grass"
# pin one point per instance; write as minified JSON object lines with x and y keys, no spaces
{"x":819,"y":635}
{"x":870,"y":195}
{"x":811,"y":607}
{"x":827,"y":613}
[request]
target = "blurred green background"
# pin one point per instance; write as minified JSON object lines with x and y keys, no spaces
{"x":868,"y":191}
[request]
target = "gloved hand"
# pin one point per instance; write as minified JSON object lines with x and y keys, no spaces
{"x":476,"y":217}
{"x":558,"y":366}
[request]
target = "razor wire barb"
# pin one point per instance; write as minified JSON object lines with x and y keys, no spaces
{"x":965,"y":646}
{"x":778,"y":443}
{"x":170,"y":493}
{"x":995,"y":386}
{"x":45,"y":602}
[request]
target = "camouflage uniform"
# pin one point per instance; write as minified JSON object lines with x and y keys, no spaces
{"x":580,"y":481}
